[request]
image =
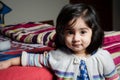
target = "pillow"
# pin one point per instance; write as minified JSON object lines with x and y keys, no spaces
{"x":112,"y":41}
{"x":112,"y":44}
{"x":112,"y":37}
{"x":31,"y":32}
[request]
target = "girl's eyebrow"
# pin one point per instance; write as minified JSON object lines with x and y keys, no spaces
{"x":71,"y":28}
{"x":84,"y":28}
{"x":81,"y":28}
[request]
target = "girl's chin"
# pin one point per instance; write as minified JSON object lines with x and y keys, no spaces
{"x":77,"y":49}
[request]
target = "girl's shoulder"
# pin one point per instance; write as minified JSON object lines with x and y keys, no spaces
{"x":104,"y":61}
{"x":104,"y":57}
{"x":102,"y":53}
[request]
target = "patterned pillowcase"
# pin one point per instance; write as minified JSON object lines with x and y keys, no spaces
{"x":112,"y":44}
{"x":31,"y":32}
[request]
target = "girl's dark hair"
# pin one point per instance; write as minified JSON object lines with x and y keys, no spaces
{"x":87,"y":13}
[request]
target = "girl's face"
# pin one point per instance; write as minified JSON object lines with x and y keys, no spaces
{"x":78,"y":37}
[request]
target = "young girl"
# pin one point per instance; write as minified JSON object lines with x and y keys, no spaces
{"x":78,"y":55}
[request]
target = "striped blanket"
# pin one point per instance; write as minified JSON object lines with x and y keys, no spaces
{"x":112,"y":44}
{"x":31,"y":32}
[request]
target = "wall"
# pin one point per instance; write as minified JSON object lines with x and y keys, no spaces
{"x":116,"y":15}
{"x":37,"y":10}
{"x":33,"y":10}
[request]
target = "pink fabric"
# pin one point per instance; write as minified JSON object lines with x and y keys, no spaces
{"x":117,"y":60}
{"x":112,"y":44}
{"x":25,"y":73}
{"x":111,"y":39}
{"x":112,"y":48}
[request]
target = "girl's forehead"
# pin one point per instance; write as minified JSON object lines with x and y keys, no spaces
{"x":79,"y":23}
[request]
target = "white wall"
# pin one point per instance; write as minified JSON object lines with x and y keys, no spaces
{"x":33,"y":10}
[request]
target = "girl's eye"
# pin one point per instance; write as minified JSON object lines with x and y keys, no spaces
{"x":83,"y":32}
{"x":69,"y":32}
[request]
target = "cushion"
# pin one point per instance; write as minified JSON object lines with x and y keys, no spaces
{"x":25,"y":73}
{"x":112,"y":44}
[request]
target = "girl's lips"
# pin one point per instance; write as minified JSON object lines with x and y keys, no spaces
{"x":76,"y":45}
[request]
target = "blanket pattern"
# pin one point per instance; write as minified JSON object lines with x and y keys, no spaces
{"x":112,"y":44}
{"x":31,"y":32}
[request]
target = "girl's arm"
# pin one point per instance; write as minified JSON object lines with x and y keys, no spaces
{"x":26,"y":60}
{"x":10,"y":62}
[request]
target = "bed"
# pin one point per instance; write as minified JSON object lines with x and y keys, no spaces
{"x":38,"y":37}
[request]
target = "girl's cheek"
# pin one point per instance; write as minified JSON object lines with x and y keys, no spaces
{"x":87,"y":40}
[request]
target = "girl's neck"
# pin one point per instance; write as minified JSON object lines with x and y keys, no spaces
{"x":82,"y":54}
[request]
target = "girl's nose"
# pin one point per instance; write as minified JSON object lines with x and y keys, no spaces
{"x":77,"y":37}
